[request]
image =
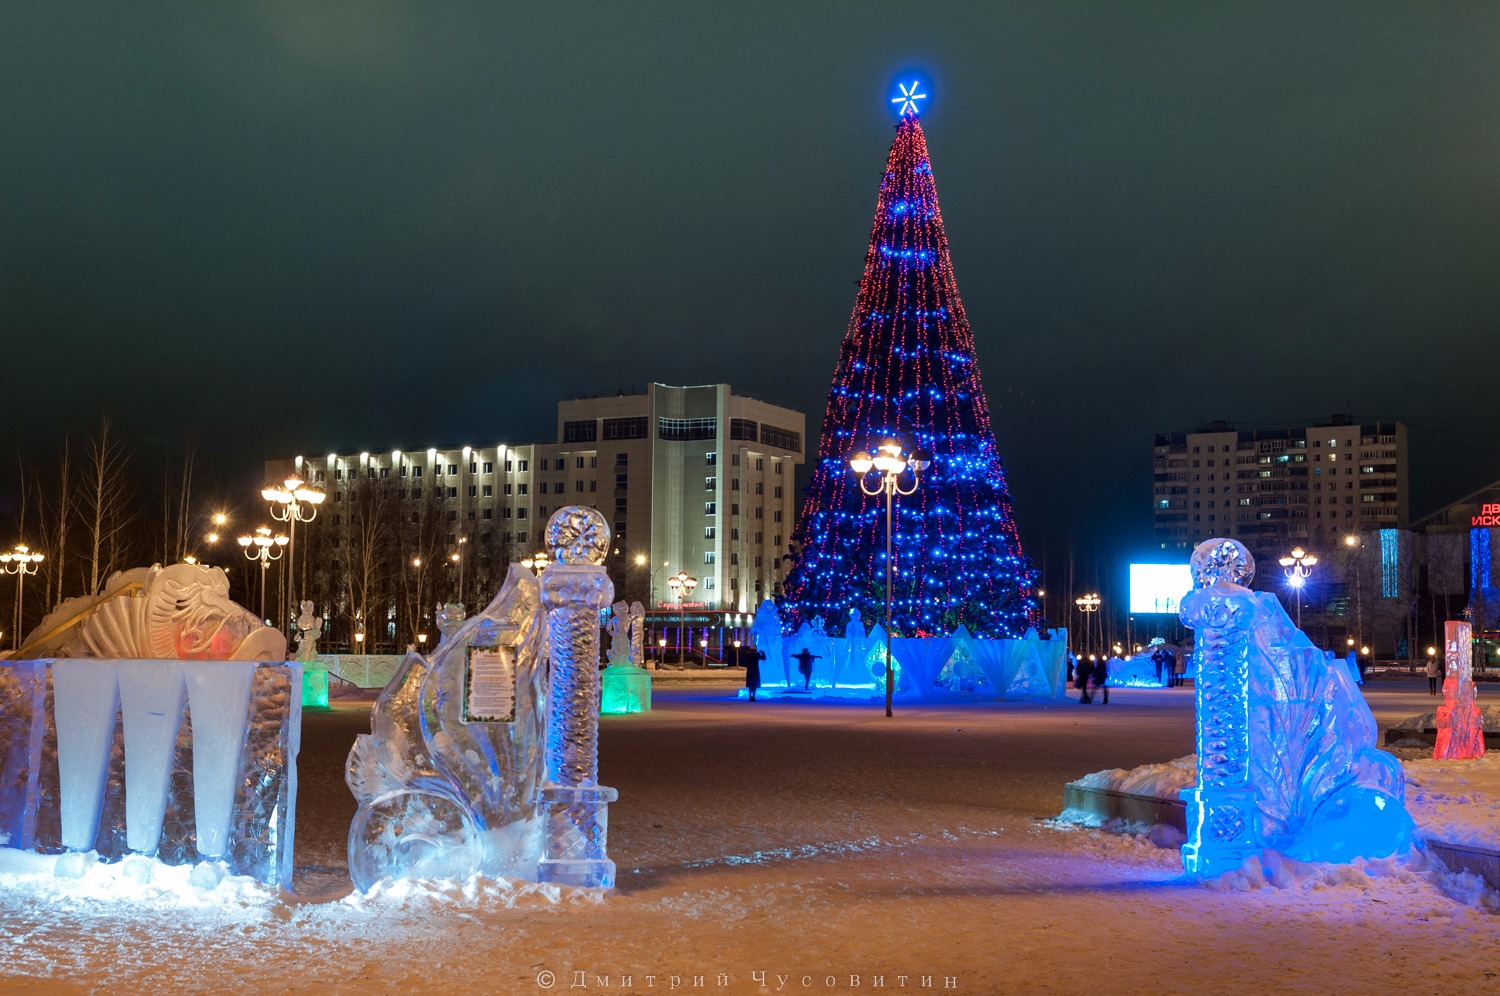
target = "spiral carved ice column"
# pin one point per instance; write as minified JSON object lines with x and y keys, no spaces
{"x":575,"y":588}
{"x":1221,"y":806}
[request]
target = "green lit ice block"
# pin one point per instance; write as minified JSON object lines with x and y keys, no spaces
{"x":315,"y":688}
{"x":626,"y":689}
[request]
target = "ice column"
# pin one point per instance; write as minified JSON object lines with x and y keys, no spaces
{"x":85,"y":702}
{"x":574,"y":590}
{"x":151,"y":697}
{"x":219,"y":704}
{"x":1221,"y":808}
{"x":1460,"y":728}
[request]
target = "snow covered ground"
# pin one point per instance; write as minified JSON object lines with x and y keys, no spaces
{"x":813,"y":843}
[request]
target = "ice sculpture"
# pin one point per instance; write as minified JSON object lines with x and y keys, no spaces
{"x":1460,"y":728}
{"x":178,"y":612}
{"x":626,"y":688}
{"x":447,"y":779}
{"x":1286,"y":744}
{"x":765,"y":631}
{"x":314,"y":674}
{"x":574,"y":588}
{"x":178,"y":760}
{"x":922,"y":659}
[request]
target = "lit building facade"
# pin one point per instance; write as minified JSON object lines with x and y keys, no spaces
{"x":699,"y":478}
{"x":1275,"y":488}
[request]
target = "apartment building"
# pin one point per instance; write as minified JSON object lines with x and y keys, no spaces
{"x":1273,"y":488}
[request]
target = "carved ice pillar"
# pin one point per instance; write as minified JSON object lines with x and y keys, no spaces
{"x":574,"y":590}
{"x":1460,"y":727}
{"x":637,"y":634}
{"x":1221,"y":806}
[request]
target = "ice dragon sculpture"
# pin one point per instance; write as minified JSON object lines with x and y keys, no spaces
{"x":1286,"y":744}
{"x":177,"y":612}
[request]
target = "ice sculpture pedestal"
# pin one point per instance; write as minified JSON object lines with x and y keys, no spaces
{"x":574,"y":590}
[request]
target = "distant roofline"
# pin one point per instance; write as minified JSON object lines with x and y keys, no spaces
{"x":633,"y":391}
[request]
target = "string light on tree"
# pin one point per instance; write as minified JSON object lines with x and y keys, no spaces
{"x":907,"y":371}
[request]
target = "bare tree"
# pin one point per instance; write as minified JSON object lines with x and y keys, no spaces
{"x":105,"y":502}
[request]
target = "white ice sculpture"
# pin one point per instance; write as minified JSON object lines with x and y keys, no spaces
{"x":637,"y":634}
{"x":447,"y":779}
{"x":1286,"y":744}
{"x":309,"y":628}
{"x":178,"y":760}
{"x":178,"y":612}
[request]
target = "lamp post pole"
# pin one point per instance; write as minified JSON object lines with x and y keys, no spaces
{"x":682,"y":583}
{"x":1297,"y":566}
{"x":259,"y":547}
{"x":891,"y":463}
{"x":292,"y":502}
{"x":19,"y":561}
{"x":1088,"y":604}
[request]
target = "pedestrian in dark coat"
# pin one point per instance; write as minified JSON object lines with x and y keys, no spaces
{"x":1101,"y":679}
{"x":1082,"y":675}
{"x":751,"y":657}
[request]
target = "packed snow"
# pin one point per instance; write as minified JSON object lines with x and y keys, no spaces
{"x":803,"y":841}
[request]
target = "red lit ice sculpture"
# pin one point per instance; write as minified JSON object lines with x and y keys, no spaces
{"x":1460,"y":729}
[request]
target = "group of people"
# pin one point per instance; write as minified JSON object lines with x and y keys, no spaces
{"x":1091,"y":676}
{"x":750,"y":658}
{"x":1172,"y":666}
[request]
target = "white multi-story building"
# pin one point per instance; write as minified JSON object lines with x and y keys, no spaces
{"x":1274,"y":488}
{"x":697,"y":478}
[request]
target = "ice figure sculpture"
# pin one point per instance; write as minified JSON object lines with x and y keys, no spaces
{"x":447,"y":778}
{"x":625,"y":687}
{"x":765,"y":631}
{"x":1286,"y":744}
{"x":177,"y":760}
{"x":574,"y":588}
{"x":1460,"y":728}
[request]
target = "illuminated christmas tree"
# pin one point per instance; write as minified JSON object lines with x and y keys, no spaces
{"x":907,"y":371}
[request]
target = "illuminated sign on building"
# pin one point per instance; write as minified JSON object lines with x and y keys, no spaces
{"x":1488,"y":517}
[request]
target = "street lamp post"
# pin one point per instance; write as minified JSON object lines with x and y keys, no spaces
{"x":1088,"y":604}
{"x":259,"y":547}
{"x":292,"y":502}
{"x":20,"y":561}
{"x":891,"y":463}
{"x":1297,"y":566}
{"x":682,"y":583}
{"x":457,"y":557}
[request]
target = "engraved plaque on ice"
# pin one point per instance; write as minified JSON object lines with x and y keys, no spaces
{"x":490,"y":685}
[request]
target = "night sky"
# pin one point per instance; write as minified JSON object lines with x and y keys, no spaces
{"x":294,"y":228}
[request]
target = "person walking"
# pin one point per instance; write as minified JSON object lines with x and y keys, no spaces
{"x":1179,"y":668}
{"x":1432,"y":675}
{"x":751,"y":657}
{"x":1158,"y":658}
{"x":1082,"y":675}
{"x":1101,"y":679}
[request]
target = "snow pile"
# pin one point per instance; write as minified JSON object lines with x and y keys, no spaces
{"x":1489,"y":715}
{"x":1455,"y":801}
{"x":1157,"y":781}
{"x":73,"y":876}
{"x":1272,"y":870}
{"x":392,"y":894}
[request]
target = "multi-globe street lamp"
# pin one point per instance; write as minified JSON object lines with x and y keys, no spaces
{"x":19,"y":561}
{"x":1297,"y":566}
{"x":292,"y":502}
{"x":265,"y":548}
{"x":536,"y":563}
{"x":1088,"y":604}
{"x":682,"y":584}
{"x":891,"y":463}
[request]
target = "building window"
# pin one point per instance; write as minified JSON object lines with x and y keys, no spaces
{"x":683,"y":429}
{"x":578,"y":463}
{"x":622,"y":459}
{"x":708,"y":558}
{"x":743,"y":428}
{"x":489,"y":468}
{"x":710,"y":508}
{"x":785,"y":439}
{"x":521,"y":512}
{"x":561,"y":463}
{"x":776,"y":515}
{"x":520,"y":465}
{"x":708,"y":532}
{"x":625,"y":428}
{"x":578,"y":486}
{"x":776,"y":491}
{"x":580,"y":432}
{"x":709,"y":483}
{"x":489,"y":513}
{"x":711,"y":459}
{"x":489,"y":491}
{"x":473,"y":491}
